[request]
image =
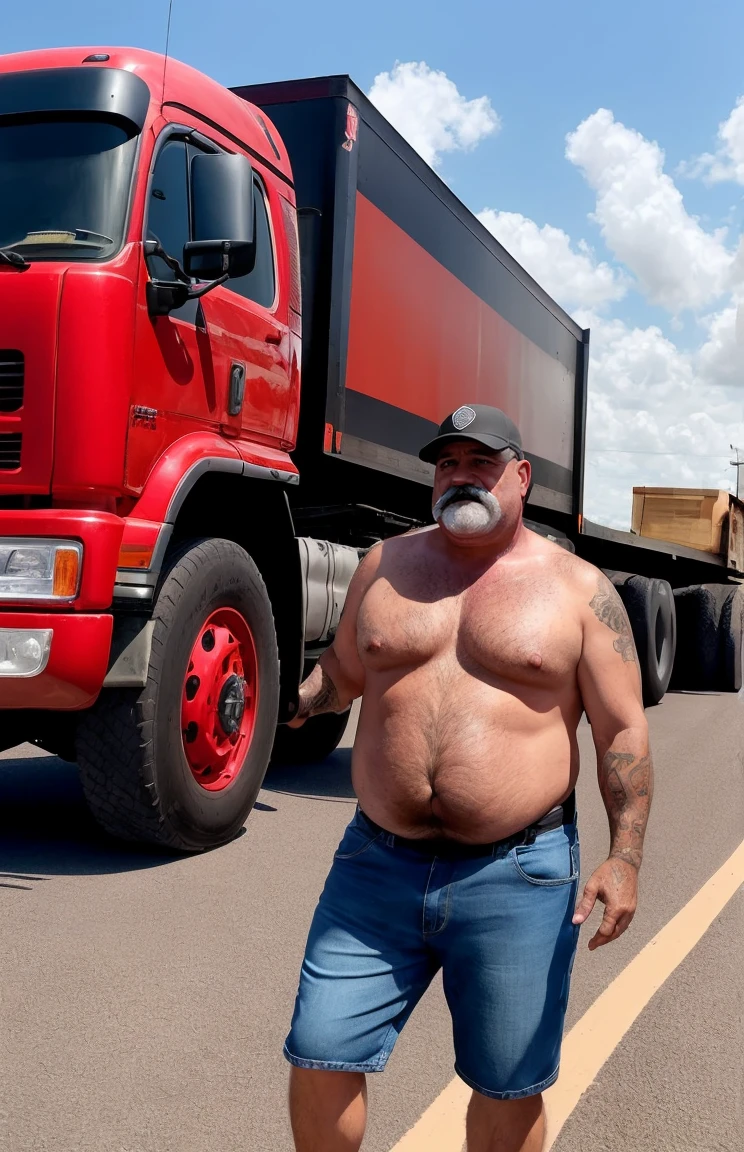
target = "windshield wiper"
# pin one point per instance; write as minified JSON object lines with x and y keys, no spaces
{"x":14,"y":259}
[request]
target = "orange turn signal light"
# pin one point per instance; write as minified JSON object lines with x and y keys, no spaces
{"x":135,"y":555}
{"x":66,"y":572}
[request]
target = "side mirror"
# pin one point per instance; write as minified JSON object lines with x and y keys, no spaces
{"x":224,"y":243}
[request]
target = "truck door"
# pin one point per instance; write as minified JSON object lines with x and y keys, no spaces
{"x":250,"y":344}
{"x":173,"y":376}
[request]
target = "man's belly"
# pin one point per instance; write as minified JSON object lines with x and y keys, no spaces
{"x":468,"y":760}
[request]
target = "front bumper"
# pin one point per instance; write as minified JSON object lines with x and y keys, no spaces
{"x":76,"y":666}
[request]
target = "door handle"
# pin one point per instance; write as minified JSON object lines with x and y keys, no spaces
{"x":237,"y":389}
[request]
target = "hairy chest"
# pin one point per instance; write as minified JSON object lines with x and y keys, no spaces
{"x":501,"y":627}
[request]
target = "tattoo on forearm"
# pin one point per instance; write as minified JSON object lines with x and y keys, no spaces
{"x":608,"y":608}
{"x":318,"y":694}
{"x":626,"y":783}
{"x":640,"y":777}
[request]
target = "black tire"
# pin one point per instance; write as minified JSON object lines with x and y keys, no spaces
{"x":710,"y":653}
{"x":651,"y":610}
{"x":135,"y":774}
{"x":315,"y":740}
{"x":732,"y":641}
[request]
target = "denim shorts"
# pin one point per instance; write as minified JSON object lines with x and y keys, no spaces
{"x":498,"y":925}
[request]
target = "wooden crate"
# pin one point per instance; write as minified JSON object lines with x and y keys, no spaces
{"x":697,"y":517}
{"x":735,"y":535}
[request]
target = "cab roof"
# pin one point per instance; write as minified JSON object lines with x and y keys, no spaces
{"x":185,"y":88}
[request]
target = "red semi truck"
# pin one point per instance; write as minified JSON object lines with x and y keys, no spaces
{"x":228,"y":321}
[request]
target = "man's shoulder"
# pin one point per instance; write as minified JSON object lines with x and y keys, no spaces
{"x":394,"y":549}
{"x":578,"y":574}
{"x":408,"y":543}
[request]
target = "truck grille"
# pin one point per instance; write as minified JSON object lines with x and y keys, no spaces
{"x":11,"y":380}
{"x":10,"y":451}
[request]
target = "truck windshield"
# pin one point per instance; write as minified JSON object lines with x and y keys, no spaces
{"x":64,"y":188}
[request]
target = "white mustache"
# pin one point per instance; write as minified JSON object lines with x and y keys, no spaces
{"x":463,"y":493}
{"x":467,"y":510}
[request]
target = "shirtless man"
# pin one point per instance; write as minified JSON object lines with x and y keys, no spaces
{"x":475,"y":644}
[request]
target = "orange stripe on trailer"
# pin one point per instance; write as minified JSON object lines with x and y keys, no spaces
{"x":421,"y":339}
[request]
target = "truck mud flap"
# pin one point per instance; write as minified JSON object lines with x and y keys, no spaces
{"x":130,"y":654}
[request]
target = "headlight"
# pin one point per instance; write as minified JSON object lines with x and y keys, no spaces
{"x":40,"y":569}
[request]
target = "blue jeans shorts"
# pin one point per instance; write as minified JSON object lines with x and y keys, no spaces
{"x":498,"y":925}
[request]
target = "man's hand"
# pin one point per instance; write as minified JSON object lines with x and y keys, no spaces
{"x":616,"y":884}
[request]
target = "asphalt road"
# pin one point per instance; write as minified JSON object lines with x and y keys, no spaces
{"x":144,"y":1001}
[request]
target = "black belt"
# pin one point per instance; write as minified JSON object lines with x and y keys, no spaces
{"x":444,"y":846}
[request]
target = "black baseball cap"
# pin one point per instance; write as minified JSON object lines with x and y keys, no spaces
{"x":489,"y":426}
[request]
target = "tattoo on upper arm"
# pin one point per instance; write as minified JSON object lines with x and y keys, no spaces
{"x":608,"y":608}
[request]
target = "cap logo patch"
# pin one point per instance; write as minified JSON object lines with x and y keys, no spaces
{"x":462,"y":417}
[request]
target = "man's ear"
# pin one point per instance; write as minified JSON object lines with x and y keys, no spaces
{"x":524,"y":468}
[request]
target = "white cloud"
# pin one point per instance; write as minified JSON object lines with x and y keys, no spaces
{"x":571,"y":276}
{"x":658,"y":416}
{"x":643,"y":218}
{"x":727,"y":163}
{"x":427,"y":108}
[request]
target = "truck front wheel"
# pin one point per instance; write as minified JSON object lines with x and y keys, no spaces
{"x":180,"y":762}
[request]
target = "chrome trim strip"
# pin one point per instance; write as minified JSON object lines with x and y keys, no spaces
{"x":136,"y":576}
{"x":133,"y":592}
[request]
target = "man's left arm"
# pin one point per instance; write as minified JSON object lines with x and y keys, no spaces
{"x":610,"y":685}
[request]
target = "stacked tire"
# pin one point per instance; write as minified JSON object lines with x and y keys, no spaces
{"x":710,"y":652}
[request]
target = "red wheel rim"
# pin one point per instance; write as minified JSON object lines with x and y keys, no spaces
{"x":219,"y":699}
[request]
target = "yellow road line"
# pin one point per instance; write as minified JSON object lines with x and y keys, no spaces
{"x":593,"y":1039}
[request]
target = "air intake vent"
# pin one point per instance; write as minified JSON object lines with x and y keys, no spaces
{"x":11,"y":380}
{"x":10,"y":451}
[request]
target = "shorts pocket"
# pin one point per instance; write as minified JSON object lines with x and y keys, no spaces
{"x":357,"y":838}
{"x":551,"y":860}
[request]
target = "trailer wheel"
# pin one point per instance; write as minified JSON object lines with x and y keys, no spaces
{"x":316,"y":739}
{"x":651,"y":611}
{"x":180,"y":762}
{"x":710,"y":627}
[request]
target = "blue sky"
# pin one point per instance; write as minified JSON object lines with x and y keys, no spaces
{"x":658,"y":284}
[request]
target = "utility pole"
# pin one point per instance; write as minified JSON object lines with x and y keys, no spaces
{"x":738,"y":465}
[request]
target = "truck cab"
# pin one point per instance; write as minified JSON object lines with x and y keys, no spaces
{"x":150,"y":342}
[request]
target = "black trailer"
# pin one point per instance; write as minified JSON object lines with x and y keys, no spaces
{"x":411,"y":308}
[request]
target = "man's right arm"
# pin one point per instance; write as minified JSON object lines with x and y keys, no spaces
{"x":338,"y":677}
